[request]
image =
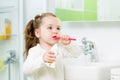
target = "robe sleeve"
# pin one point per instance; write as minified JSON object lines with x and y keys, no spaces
{"x":33,"y":62}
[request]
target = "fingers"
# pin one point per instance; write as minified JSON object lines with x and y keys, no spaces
{"x":49,"y":57}
{"x":65,"y":39}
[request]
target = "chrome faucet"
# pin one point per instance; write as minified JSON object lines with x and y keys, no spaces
{"x":10,"y":60}
{"x":89,"y":49}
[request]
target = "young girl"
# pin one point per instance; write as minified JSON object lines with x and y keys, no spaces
{"x":43,"y":49}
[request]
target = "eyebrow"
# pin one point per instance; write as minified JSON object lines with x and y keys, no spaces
{"x":57,"y":25}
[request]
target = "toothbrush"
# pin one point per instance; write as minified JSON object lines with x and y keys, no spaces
{"x":58,"y":37}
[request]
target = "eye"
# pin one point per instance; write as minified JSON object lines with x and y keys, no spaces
{"x":50,"y":27}
{"x":58,"y":28}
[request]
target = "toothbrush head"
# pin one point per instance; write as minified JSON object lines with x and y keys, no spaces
{"x":56,"y":37}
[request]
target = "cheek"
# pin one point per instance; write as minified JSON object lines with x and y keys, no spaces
{"x":44,"y":35}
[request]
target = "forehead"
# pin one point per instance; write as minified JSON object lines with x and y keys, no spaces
{"x":50,"y":20}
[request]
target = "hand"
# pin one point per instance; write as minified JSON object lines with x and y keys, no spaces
{"x":65,"y":39}
{"x":49,"y":57}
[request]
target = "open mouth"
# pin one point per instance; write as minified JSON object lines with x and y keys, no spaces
{"x":56,"y":37}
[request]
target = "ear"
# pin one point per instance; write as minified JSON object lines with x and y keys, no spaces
{"x":37,"y":33}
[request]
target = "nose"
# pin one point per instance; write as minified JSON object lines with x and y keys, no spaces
{"x":55,"y":31}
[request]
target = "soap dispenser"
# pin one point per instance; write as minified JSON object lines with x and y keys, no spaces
{"x":7,"y":29}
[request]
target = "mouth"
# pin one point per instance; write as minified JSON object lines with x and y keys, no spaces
{"x":56,"y":37}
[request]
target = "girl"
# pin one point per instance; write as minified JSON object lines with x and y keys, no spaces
{"x":43,"y":49}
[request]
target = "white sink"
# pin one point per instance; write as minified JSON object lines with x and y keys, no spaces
{"x":74,"y":70}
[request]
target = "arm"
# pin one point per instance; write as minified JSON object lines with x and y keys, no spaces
{"x":33,"y":62}
{"x":72,"y":50}
{"x":69,"y":48}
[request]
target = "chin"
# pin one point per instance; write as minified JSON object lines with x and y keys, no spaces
{"x":54,"y":42}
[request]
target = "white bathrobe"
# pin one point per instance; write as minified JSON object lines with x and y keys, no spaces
{"x":36,"y":69}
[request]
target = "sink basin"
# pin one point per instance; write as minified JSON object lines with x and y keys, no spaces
{"x":74,"y":70}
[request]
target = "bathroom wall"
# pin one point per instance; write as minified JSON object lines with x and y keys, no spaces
{"x":105,"y":35}
{"x":32,"y":8}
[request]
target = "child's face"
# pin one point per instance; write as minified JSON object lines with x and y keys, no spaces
{"x":50,"y":27}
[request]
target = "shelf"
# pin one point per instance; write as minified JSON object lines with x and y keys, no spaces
{"x":7,"y":9}
{"x":3,"y":37}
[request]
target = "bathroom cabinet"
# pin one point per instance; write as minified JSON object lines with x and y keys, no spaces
{"x":76,"y":10}
{"x":85,"y":10}
{"x":108,"y":10}
{"x":11,"y":25}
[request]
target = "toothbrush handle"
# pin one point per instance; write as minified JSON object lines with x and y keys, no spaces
{"x":73,"y":39}
{"x":58,"y":37}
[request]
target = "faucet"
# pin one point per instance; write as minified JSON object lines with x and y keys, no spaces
{"x":89,"y":49}
{"x":12,"y":57}
{"x":11,"y":60}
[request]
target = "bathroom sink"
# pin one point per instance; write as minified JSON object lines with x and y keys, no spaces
{"x":74,"y":70}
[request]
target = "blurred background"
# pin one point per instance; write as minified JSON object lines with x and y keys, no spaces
{"x":97,"y":20}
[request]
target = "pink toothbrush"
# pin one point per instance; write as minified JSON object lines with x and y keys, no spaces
{"x":58,"y":37}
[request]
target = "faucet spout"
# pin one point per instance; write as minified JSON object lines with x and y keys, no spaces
{"x":89,"y":49}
